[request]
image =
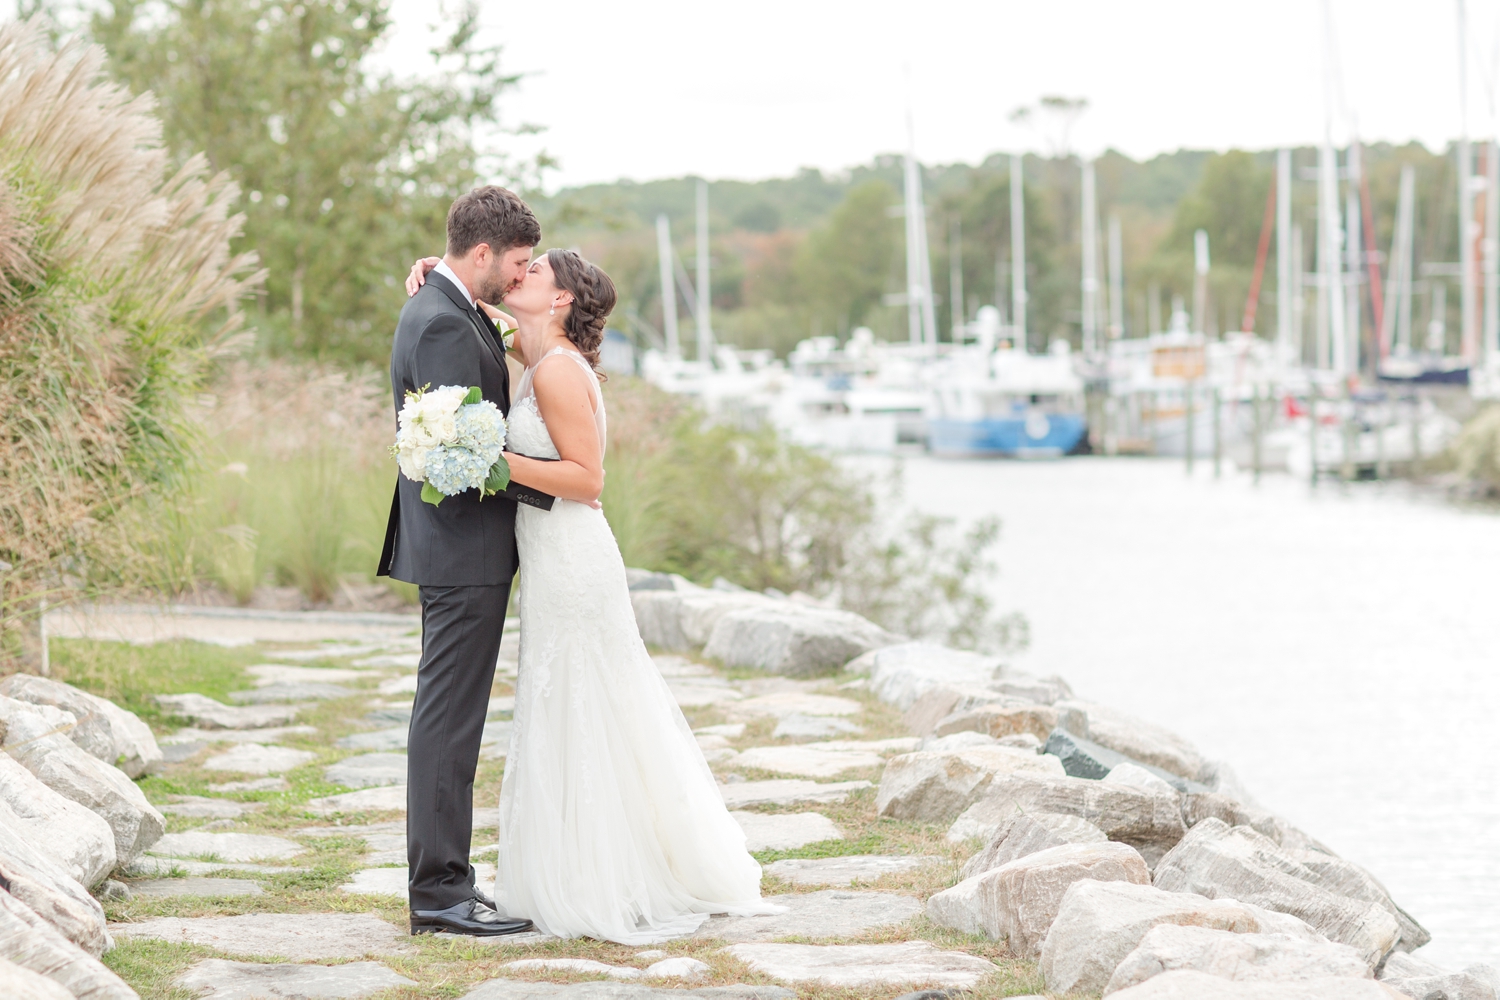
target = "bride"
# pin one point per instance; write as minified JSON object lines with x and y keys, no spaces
{"x":611,"y":824}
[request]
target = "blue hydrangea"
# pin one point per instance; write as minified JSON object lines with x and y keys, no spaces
{"x":465,"y":462}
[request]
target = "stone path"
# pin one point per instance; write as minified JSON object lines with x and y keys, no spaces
{"x":793,"y":759}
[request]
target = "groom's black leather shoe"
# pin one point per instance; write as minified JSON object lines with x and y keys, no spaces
{"x":469,"y":917}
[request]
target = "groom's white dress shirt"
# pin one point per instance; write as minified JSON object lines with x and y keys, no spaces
{"x":447,"y":272}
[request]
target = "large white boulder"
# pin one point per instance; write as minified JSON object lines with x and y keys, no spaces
{"x":1345,"y":878}
{"x":1420,"y":980}
{"x":1028,"y":834}
{"x":934,"y":787}
{"x":797,"y":640}
{"x":902,"y":673}
{"x":940,"y":702}
{"x":1149,"y":822}
{"x":682,"y":619}
{"x":1099,"y":923}
{"x":34,"y":944}
{"x":41,"y":885}
{"x":1189,"y":985}
{"x":32,"y":740}
{"x":79,"y":842}
{"x":1223,"y":862}
{"x":1240,"y":957}
{"x":1140,"y":740}
{"x":1005,"y":718}
{"x":1017,"y":902}
{"x":20,"y":983}
{"x":103,"y":729}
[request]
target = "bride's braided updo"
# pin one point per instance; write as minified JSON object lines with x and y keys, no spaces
{"x":593,"y":300}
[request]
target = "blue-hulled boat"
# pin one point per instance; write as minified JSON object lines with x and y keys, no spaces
{"x":1005,"y":403}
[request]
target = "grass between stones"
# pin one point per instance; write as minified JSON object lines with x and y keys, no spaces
{"x":447,"y":966}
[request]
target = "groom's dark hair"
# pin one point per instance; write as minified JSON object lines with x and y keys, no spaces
{"x":492,"y":215}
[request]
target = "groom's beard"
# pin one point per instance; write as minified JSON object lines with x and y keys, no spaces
{"x":494,"y":289}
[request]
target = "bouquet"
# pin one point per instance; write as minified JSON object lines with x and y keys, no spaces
{"x":449,"y":440}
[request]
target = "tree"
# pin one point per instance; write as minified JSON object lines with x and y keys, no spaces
{"x":117,"y":283}
{"x":347,"y":174}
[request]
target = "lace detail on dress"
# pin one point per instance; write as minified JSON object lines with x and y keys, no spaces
{"x":611,"y":823}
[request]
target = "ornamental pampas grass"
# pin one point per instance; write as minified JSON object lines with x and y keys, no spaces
{"x":117,"y":285}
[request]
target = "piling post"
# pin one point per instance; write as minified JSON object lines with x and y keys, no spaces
{"x":1187,"y":422}
{"x":1218,"y":400}
{"x":1312,"y":432}
{"x":1347,"y":422}
{"x":1381,"y":422}
{"x":1416,"y":433}
{"x":1256,"y":428}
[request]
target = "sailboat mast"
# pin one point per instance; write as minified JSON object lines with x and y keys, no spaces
{"x":1353,"y":252}
{"x":1331,"y":342}
{"x":1492,"y":251}
{"x":1017,"y":250}
{"x":1467,"y":285}
{"x":956,"y":279}
{"x":704,"y":289}
{"x":668,"y":287}
{"x":1090,"y":264}
{"x":1284,"y":254}
{"x":1116,"y":281}
{"x":1395,"y":318}
{"x":914,"y":225}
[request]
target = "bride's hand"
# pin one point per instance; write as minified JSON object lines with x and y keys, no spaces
{"x":418,"y":276}
{"x":502,"y":320}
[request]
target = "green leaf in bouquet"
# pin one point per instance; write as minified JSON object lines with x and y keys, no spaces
{"x":499,"y":477}
{"x":474,"y":396}
{"x":431,"y":494}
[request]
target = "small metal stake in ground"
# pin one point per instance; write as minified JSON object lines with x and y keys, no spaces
{"x":1218,"y":400}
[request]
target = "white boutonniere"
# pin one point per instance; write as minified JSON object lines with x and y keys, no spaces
{"x":508,"y":338}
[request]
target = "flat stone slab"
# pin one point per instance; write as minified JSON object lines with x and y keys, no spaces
{"x":799,"y":726}
{"x":783,"y":703}
{"x":254,"y":758}
{"x":848,"y":870}
{"x":148,"y":623}
{"x":273,"y":694}
{"x":217,"y":979}
{"x":391,"y":715}
{"x":382,"y":739}
{"x":267,"y":674}
{"x":728,"y":730}
{"x":272,"y":735}
{"x":405,"y":684}
{"x":217,"y":715}
{"x":193,"y":886}
{"x":515,"y":989}
{"x":806,"y":761}
{"x":701,"y":692}
{"x":787,"y":792}
{"x":680,"y":666}
{"x":830,"y":913}
{"x":913,"y":963}
{"x":199,"y":807}
{"x":393,"y":881}
{"x":147,"y":866}
{"x":384,"y":799}
{"x":253,"y":785}
{"x":368,"y":770}
{"x":402,"y":661}
{"x":300,"y":937}
{"x":785,"y":831}
{"x":225,"y":846}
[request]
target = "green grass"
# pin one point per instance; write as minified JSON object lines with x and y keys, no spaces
{"x":132,"y":675}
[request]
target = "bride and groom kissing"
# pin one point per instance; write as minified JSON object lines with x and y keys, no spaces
{"x":611,"y":823}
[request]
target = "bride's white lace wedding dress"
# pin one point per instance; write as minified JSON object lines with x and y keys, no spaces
{"x":611,"y":824}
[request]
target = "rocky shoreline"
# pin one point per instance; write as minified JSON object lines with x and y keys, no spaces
{"x":1104,"y":849}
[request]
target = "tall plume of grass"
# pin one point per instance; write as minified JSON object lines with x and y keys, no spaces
{"x":117,"y":287}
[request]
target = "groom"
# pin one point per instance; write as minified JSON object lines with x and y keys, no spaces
{"x":461,"y":555}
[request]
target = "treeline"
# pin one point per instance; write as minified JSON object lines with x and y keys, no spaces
{"x":817,"y":254}
{"x":346,"y":175}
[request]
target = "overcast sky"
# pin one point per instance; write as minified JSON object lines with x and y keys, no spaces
{"x":660,"y":88}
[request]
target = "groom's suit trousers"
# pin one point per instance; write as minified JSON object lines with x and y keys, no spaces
{"x":461,"y":629}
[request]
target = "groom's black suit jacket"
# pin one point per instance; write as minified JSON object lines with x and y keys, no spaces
{"x":463,"y":542}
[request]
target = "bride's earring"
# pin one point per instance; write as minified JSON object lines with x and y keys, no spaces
{"x":553,"y":310}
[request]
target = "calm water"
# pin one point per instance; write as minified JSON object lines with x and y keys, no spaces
{"x":1339,"y":648}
